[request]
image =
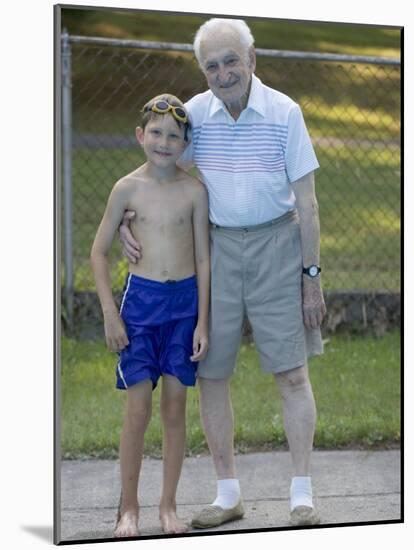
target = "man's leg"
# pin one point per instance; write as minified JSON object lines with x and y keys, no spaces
{"x":173,"y":402}
{"x":138,"y":414}
{"x":273,"y":296}
{"x":299,"y":413}
{"x":216,"y":413}
{"x":214,"y":373}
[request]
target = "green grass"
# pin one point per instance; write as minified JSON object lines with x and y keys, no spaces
{"x":356,"y":385}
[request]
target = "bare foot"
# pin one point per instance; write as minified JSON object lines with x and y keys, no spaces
{"x":170,"y":523}
{"x":127,"y":524}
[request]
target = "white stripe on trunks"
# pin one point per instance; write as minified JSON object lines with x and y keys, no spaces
{"x":125,"y":293}
{"x":121,"y":374}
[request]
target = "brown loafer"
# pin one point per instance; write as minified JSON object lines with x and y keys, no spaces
{"x":304,"y":515}
{"x":213,"y":516}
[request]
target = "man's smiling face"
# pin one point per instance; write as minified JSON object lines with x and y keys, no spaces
{"x":227,"y":66}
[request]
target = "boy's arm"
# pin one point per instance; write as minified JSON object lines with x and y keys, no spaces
{"x":202,"y":265}
{"x":117,"y":203}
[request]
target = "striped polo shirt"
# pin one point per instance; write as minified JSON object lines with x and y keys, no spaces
{"x":248,"y":164}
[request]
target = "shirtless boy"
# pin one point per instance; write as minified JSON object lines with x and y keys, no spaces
{"x":161,"y":328}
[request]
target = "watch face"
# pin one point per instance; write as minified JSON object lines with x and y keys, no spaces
{"x":313,"y":270}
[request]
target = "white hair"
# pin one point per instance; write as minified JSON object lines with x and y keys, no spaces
{"x":238,"y":25}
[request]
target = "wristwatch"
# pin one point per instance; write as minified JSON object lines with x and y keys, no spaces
{"x":313,"y":271}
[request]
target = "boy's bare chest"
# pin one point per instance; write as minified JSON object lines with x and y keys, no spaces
{"x":162,"y":211}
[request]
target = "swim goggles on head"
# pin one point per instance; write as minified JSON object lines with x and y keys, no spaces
{"x":162,"y":107}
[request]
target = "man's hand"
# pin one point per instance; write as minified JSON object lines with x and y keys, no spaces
{"x":200,"y":343}
{"x":314,"y":308}
{"x":115,"y":333}
{"x":130,"y":247}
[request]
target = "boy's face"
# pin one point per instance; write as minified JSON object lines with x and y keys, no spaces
{"x":162,"y":140}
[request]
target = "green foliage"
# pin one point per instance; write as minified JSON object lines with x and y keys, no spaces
{"x":268,"y":33}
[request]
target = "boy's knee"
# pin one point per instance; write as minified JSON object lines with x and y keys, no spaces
{"x":138,"y":416}
{"x":173,"y":414}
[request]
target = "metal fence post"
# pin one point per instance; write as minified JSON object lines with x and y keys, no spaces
{"x":67,"y":173}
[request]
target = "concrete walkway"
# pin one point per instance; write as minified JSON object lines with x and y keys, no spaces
{"x":349,"y":487}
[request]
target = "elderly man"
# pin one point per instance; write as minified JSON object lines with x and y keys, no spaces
{"x":254,"y":155}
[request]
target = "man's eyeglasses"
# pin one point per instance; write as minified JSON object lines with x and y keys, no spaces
{"x":162,"y":107}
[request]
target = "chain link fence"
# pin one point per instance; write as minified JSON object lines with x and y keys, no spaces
{"x":352,"y":110}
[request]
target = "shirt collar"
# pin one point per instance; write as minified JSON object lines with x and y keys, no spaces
{"x":255,"y":101}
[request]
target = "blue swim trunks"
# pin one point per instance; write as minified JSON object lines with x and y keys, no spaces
{"x":160,"y":318}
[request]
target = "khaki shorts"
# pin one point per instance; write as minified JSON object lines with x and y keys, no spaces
{"x":257,"y":272}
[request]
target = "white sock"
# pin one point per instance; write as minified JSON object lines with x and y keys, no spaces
{"x":301,"y":492}
{"x":228,"y":493}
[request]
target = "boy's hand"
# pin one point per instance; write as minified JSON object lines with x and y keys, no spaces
{"x":200,"y":343}
{"x":115,"y":333}
{"x":130,"y":247}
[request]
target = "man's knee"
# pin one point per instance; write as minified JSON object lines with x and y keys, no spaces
{"x":215,"y":399}
{"x":214,"y":385}
{"x":293,"y":379}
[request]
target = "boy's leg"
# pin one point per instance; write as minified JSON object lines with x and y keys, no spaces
{"x":138,"y":414}
{"x":173,"y":402}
